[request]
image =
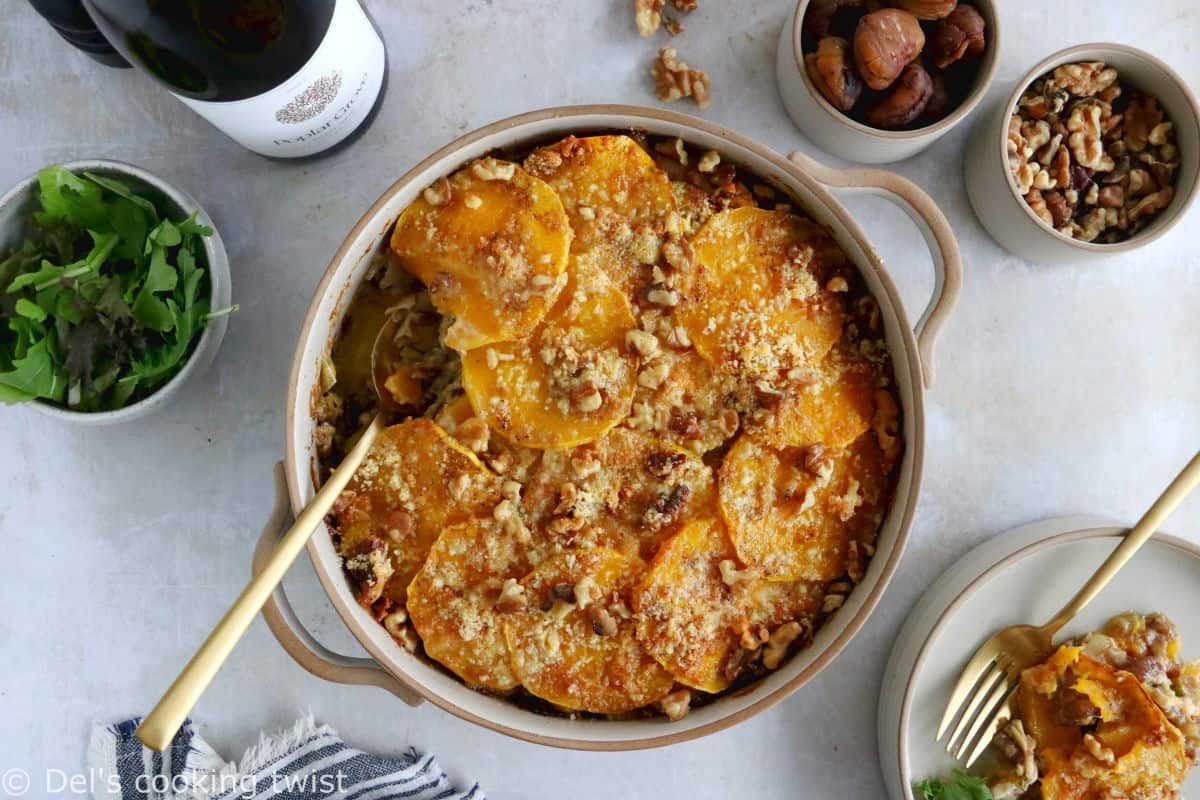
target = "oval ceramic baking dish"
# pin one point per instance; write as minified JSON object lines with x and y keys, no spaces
{"x":808,"y":183}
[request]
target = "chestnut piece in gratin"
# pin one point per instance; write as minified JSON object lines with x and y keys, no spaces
{"x":648,"y":427}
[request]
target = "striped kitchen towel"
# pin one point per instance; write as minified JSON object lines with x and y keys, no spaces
{"x":307,"y":762}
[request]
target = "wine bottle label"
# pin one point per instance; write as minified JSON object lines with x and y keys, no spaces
{"x":318,"y":106}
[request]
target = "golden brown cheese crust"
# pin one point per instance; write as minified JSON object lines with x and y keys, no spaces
{"x":490,"y":243}
{"x":574,"y":645}
{"x":568,"y":382}
{"x":636,"y":364}
{"x":414,"y":482}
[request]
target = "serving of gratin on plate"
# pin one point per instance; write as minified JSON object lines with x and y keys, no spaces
{"x":648,"y":427}
{"x":1112,"y":714}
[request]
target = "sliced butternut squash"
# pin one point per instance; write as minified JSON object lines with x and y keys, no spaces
{"x":753,"y":302}
{"x":457,"y":600}
{"x":681,"y":401}
{"x":833,"y":410}
{"x":627,"y":491}
{"x":616,"y":197}
{"x":1143,"y":753}
{"x":490,"y":242}
{"x":793,"y":512}
{"x":568,"y":382}
{"x":414,"y":482}
{"x":575,"y":645}
{"x":702,"y":616}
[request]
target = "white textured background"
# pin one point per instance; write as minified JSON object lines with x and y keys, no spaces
{"x":1059,"y":390}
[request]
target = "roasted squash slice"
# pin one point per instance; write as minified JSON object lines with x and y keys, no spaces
{"x":456,"y":601}
{"x":615,"y":196}
{"x":1142,"y":754}
{"x":414,"y":482}
{"x":680,"y":400}
{"x":833,"y":410}
{"x":753,"y":301}
{"x":490,"y":242}
{"x":574,"y":645}
{"x":793,"y":514}
{"x":626,"y":491}
{"x":569,"y":381}
{"x":700,"y":614}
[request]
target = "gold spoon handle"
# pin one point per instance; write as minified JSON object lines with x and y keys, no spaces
{"x":1180,"y":488}
{"x":160,"y":725}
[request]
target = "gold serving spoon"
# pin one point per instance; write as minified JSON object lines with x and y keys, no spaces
{"x":983,"y":695}
{"x":160,"y":725}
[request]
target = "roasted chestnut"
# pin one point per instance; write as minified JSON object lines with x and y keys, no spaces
{"x":884,"y":43}
{"x":831,"y":72}
{"x":905,"y":102}
{"x":819,"y":16}
{"x":926,"y":9}
{"x":958,"y":36}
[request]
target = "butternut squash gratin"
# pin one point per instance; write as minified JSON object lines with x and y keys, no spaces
{"x":648,"y":432}
{"x":1114,"y":715}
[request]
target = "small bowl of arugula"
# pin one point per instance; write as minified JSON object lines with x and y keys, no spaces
{"x":114,"y":291}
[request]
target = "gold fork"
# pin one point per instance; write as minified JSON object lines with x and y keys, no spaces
{"x":982,"y":698}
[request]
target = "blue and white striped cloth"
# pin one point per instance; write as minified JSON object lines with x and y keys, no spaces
{"x":307,"y":762}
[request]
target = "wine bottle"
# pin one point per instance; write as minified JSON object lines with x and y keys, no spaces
{"x":284,"y":78}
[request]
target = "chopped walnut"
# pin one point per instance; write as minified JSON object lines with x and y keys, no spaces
{"x":709,"y":161}
{"x":1086,"y":141}
{"x":439,"y":193}
{"x":1086,"y":170}
{"x":677,"y":704}
{"x":1038,"y":203}
{"x":1084,"y":79}
{"x":603,"y":623}
{"x":777,"y":646}
{"x":674,"y":79}
{"x":492,"y":169}
{"x":645,"y":344}
{"x":512,"y":597}
{"x":647,"y":14}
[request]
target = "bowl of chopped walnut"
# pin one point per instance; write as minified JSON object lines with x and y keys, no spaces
{"x":877,"y":83}
{"x":1099,"y":146}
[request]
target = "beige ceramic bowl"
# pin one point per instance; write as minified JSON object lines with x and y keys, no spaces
{"x":414,"y":679}
{"x":18,"y":205}
{"x":837,"y":133}
{"x":993,"y":189}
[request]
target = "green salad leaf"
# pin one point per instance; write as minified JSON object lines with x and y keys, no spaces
{"x":960,"y":786}
{"x":104,"y":300}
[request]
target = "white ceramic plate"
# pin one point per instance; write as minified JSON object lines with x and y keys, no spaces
{"x":1024,"y":575}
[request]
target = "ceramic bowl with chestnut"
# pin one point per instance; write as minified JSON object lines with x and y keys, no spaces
{"x":876,"y":81}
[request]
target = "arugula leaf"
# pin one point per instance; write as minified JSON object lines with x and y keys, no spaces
{"x":35,"y":374}
{"x":30,"y":310}
{"x":190,"y":227}
{"x":166,"y":234}
{"x":46,"y":273}
{"x":162,"y":277}
{"x":122,"y":190}
{"x":130,"y":225}
{"x":67,"y":197}
{"x":960,"y":786}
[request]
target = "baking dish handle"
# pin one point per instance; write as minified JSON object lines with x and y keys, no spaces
{"x":295,"y":638}
{"x":943,"y":247}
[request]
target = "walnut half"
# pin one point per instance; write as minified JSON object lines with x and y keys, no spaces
{"x":674,"y":79}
